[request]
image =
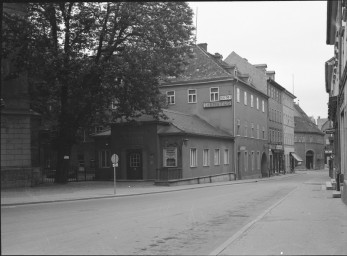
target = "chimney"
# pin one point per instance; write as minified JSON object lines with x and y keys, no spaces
{"x":218,"y":56}
{"x":261,"y":67}
{"x":203,"y":46}
{"x":271,"y":74}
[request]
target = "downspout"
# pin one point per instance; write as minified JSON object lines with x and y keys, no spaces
{"x":235,"y":164}
{"x":339,"y":10}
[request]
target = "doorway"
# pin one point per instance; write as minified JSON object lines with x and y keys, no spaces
{"x":134,"y":164}
{"x":309,"y":159}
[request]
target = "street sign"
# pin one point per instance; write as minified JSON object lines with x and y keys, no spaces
{"x":114,"y":159}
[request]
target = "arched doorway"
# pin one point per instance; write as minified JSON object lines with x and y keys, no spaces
{"x":309,"y":159}
{"x":263,"y":166}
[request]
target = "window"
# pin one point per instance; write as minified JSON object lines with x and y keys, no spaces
{"x":191,"y":96}
{"x":257,"y":103}
{"x":170,"y":97}
{"x":170,"y":157}
{"x":214,"y":94}
{"x":104,"y":159}
{"x":263,"y":105}
{"x":252,"y":160}
{"x":226,"y":156}
{"x":99,"y":129}
{"x":238,"y":127}
{"x":135,"y":160}
{"x":193,"y":158}
{"x":258,"y":160}
{"x":246,"y":161}
{"x":257,"y":131}
{"x":251,"y":100}
{"x":216,"y":157}
{"x":246,"y":128}
{"x":238,"y":94}
{"x":263,"y":133}
{"x":245,"y":98}
{"x":206,"y":157}
{"x":252,"y":130}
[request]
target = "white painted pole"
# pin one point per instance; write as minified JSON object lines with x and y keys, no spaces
{"x":114,"y":178}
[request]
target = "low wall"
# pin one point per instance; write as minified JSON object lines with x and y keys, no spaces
{"x":16,"y":177}
{"x":198,"y":180}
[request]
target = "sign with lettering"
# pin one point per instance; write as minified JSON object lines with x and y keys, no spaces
{"x":217,"y":104}
{"x":330,"y":131}
{"x":170,"y":157}
{"x":225,"y":97}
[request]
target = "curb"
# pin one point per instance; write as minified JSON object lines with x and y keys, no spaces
{"x":152,"y":192}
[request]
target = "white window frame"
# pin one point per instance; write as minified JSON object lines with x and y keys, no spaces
{"x":170,"y":98}
{"x":192,"y":97}
{"x":238,"y":127}
{"x":252,"y":101}
{"x":217,"y":156}
{"x":252,"y":130}
{"x":245,"y":98}
{"x":238,"y":94}
{"x":246,"y":130}
{"x":206,"y":157}
{"x":214,"y":96}
{"x":263,"y":105}
{"x":226,"y":157}
{"x":258,"y":160}
{"x":257,"y":131}
{"x":193,"y":157}
{"x":257,"y":103}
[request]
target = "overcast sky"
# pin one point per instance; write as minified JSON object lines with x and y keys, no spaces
{"x":287,"y":36}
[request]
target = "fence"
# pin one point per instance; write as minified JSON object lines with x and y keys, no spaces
{"x":166,"y":173}
{"x":74,"y":174}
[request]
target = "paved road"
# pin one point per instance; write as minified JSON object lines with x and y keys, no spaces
{"x":198,"y":221}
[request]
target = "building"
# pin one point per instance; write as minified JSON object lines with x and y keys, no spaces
{"x":251,"y":109}
{"x":327,"y":128}
{"x":276,"y":148}
{"x":336,"y":77}
{"x":308,"y":141}
{"x":288,"y":130}
{"x":225,"y":97}
{"x":320,"y":122}
{"x":19,"y":125}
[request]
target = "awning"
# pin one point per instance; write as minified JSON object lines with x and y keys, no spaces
{"x":297,"y":158}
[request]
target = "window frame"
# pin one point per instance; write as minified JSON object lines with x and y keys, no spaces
{"x":226,"y":157}
{"x":192,"y":95}
{"x":206,"y":157}
{"x":193,"y":158}
{"x":216,"y":156}
{"x":214,"y":94}
{"x":169,"y":97}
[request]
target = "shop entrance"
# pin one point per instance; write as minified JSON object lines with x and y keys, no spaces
{"x":134,"y":165}
{"x":309,"y":159}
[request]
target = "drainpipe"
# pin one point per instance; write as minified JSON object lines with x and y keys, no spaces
{"x":235,"y":153}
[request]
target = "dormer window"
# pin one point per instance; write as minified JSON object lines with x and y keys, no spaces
{"x":235,"y":72}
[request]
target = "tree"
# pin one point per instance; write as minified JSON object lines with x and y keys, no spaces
{"x":81,"y":56}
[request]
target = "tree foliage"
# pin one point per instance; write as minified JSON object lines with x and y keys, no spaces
{"x":81,"y":56}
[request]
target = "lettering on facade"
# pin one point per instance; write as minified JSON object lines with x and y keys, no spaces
{"x":217,"y":104}
{"x":170,"y":157}
{"x":225,"y":97}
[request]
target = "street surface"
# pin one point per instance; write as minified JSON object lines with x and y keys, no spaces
{"x":266,"y":217}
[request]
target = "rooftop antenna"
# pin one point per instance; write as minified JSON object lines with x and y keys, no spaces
{"x":196,"y":25}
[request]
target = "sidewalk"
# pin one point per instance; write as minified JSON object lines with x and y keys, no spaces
{"x":46,"y":193}
{"x":307,"y":221}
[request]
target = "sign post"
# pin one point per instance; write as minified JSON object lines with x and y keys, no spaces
{"x":114,"y":160}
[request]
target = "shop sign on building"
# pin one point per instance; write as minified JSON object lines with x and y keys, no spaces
{"x":217,"y":104}
{"x":225,"y":97}
{"x":170,"y":157}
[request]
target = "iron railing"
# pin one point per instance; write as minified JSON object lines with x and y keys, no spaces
{"x":167,"y":173}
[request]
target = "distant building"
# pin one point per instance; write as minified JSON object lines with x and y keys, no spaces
{"x":308,"y":141}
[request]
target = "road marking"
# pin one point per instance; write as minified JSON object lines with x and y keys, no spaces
{"x":224,"y":245}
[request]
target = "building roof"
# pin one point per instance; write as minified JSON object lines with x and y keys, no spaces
{"x":303,"y":124}
{"x":259,"y":78}
{"x":202,"y":65}
{"x":177,"y":123}
{"x":182,"y":123}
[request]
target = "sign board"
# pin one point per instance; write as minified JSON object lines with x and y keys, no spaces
{"x":217,"y":104}
{"x":114,"y":159}
{"x":330,"y":131}
{"x":66,"y":157}
{"x":170,"y":157}
{"x":225,"y":97}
